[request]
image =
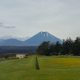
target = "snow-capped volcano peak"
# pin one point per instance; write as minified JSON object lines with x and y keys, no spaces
{"x":41,"y":37}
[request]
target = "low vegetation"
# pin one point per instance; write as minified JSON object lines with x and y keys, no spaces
{"x":51,"y":68}
{"x":37,"y":64}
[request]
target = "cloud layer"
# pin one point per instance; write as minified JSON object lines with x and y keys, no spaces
{"x":60,"y":17}
{"x":6,"y":26}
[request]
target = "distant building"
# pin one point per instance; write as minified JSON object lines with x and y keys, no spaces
{"x":20,"y":56}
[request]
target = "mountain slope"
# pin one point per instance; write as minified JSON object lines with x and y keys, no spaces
{"x":41,"y":37}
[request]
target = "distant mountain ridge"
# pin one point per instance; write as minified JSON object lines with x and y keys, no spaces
{"x":36,"y":40}
{"x":17,"y":38}
{"x":10,"y":42}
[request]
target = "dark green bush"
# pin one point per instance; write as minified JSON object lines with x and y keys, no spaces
{"x":37,"y":64}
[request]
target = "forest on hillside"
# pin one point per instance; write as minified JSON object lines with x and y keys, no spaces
{"x":68,"y":47}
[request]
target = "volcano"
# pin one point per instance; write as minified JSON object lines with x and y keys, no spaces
{"x":41,"y":37}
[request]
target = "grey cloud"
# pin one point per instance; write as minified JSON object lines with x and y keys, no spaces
{"x":58,"y":16}
{"x":5,"y":26}
{"x":10,"y":27}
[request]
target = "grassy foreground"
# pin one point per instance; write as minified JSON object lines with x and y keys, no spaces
{"x":51,"y":68}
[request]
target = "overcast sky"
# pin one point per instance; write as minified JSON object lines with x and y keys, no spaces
{"x":22,"y":18}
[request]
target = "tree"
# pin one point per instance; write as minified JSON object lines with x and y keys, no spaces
{"x":67,"y":46}
{"x":57,"y":48}
{"x":46,"y":48}
{"x":43,"y":49}
{"x":76,"y":47}
{"x":52,"y":49}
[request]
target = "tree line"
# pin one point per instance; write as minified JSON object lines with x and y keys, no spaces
{"x":68,"y":47}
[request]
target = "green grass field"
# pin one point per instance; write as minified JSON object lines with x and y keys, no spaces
{"x":51,"y":68}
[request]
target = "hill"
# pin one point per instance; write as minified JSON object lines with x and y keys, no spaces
{"x":10,"y":42}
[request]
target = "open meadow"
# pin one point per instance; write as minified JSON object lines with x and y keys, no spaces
{"x":51,"y":68}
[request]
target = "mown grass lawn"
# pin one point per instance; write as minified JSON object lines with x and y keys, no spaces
{"x":51,"y":68}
